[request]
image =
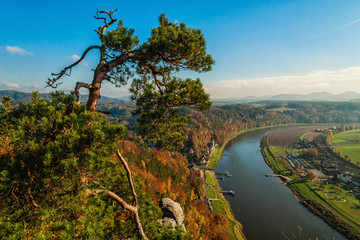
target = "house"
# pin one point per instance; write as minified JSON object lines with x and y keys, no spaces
{"x":344,"y":177}
{"x":316,"y":175}
{"x":197,"y":173}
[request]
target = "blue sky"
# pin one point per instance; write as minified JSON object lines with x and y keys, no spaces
{"x":260,"y":47}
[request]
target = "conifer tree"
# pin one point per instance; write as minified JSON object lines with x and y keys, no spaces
{"x":152,"y":65}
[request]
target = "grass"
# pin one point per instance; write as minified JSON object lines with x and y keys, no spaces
{"x":351,"y":144}
{"x":351,"y":136}
{"x":348,"y":210}
{"x":352,"y":151}
{"x":222,"y":206}
{"x":273,"y":154}
{"x":343,"y":203}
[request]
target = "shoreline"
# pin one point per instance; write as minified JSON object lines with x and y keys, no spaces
{"x":223,"y":206}
{"x":216,"y":156}
{"x":319,"y":208}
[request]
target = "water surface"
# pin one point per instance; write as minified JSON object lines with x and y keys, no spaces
{"x":265,"y":208}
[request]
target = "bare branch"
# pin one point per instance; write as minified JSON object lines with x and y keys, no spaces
{"x":122,"y":202}
{"x":112,"y":20}
{"x":32,"y":199}
{"x":51,"y":82}
{"x":132,"y":208}
{"x":126,"y":166}
{"x":77,"y":90}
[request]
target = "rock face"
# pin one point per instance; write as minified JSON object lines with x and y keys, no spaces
{"x":173,"y":211}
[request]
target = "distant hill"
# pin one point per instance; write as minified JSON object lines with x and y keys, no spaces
{"x":17,"y":96}
{"x":318,"y":96}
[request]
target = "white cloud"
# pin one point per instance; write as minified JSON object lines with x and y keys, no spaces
{"x":22,"y":88}
{"x":12,"y":85}
{"x":333,"y":81}
{"x":77,"y":57}
{"x":17,"y":50}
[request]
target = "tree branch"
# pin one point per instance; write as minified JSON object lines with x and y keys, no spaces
{"x":126,"y":166}
{"x":155,"y":72}
{"x":132,"y":208}
{"x":51,"y":82}
{"x":103,"y":29}
{"x":77,"y":90}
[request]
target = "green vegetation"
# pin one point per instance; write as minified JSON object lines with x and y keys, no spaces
{"x":221,"y":206}
{"x":215,"y":157}
{"x":56,"y":160}
{"x":349,"y":145}
{"x":273,"y":154}
{"x":331,"y":201}
{"x":350,"y":152}
{"x":351,"y":136}
{"x":158,"y":94}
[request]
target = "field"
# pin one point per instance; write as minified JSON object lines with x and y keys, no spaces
{"x":310,"y":136}
{"x":348,"y":144}
{"x":332,"y":201}
{"x":351,"y":136}
{"x":289,"y":136}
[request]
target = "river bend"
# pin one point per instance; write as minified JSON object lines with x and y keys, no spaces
{"x":265,"y":208}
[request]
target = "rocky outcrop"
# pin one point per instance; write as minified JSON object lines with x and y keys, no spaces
{"x":172,"y":211}
{"x":167,"y":222}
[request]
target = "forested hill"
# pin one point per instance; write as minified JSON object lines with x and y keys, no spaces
{"x":58,"y":166}
{"x":56,"y":159}
{"x":222,"y":121}
{"x":17,"y":96}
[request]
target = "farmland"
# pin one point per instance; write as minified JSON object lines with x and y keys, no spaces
{"x":299,"y":154}
{"x":347,"y":144}
{"x":289,"y":136}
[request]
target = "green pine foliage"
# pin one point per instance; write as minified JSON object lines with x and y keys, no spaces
{"x":55,"y":158}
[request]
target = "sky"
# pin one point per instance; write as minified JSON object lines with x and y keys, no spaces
{"x":260,"y":47}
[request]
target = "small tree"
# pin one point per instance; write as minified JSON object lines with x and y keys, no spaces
{"x":158,"y":94}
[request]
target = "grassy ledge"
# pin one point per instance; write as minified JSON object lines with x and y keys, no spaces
{"x":222,"y":206}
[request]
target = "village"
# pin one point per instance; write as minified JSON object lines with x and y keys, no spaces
{"x":315,"y":161}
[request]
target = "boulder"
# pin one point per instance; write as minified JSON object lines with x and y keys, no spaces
{"x":167,"y":222}
{"x":172,"y":210}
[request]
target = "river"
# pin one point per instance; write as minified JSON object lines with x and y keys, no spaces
{"x":265,"y":208}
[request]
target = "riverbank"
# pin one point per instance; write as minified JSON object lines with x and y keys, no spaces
{"x":221,"y":205}
{"x":216,"y":156}
{"x":310,"y":195}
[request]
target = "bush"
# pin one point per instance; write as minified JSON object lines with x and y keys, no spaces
{"x":54,"y":156}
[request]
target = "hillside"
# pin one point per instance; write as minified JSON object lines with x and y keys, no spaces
{"x":57,"y":161}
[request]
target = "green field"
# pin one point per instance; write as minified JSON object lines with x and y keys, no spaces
{"x":332,"y":197}
{"x":351,"y":136}
{"x":350,"y":145}
{"x":352,"y":151}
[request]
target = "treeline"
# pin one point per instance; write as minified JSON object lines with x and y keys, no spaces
{"x":318,"y":112}
{"x":222,"y":121}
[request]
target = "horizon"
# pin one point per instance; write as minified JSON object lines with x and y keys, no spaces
{"x":245,"y":98}
{"x":260,"y":47}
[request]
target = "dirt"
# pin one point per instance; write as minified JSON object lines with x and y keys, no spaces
{"x":309,"y":137}
{"x":289,"y":136}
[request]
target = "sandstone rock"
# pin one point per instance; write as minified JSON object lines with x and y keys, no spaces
{"x":173,"y":211}
{"x":167,"y":222}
